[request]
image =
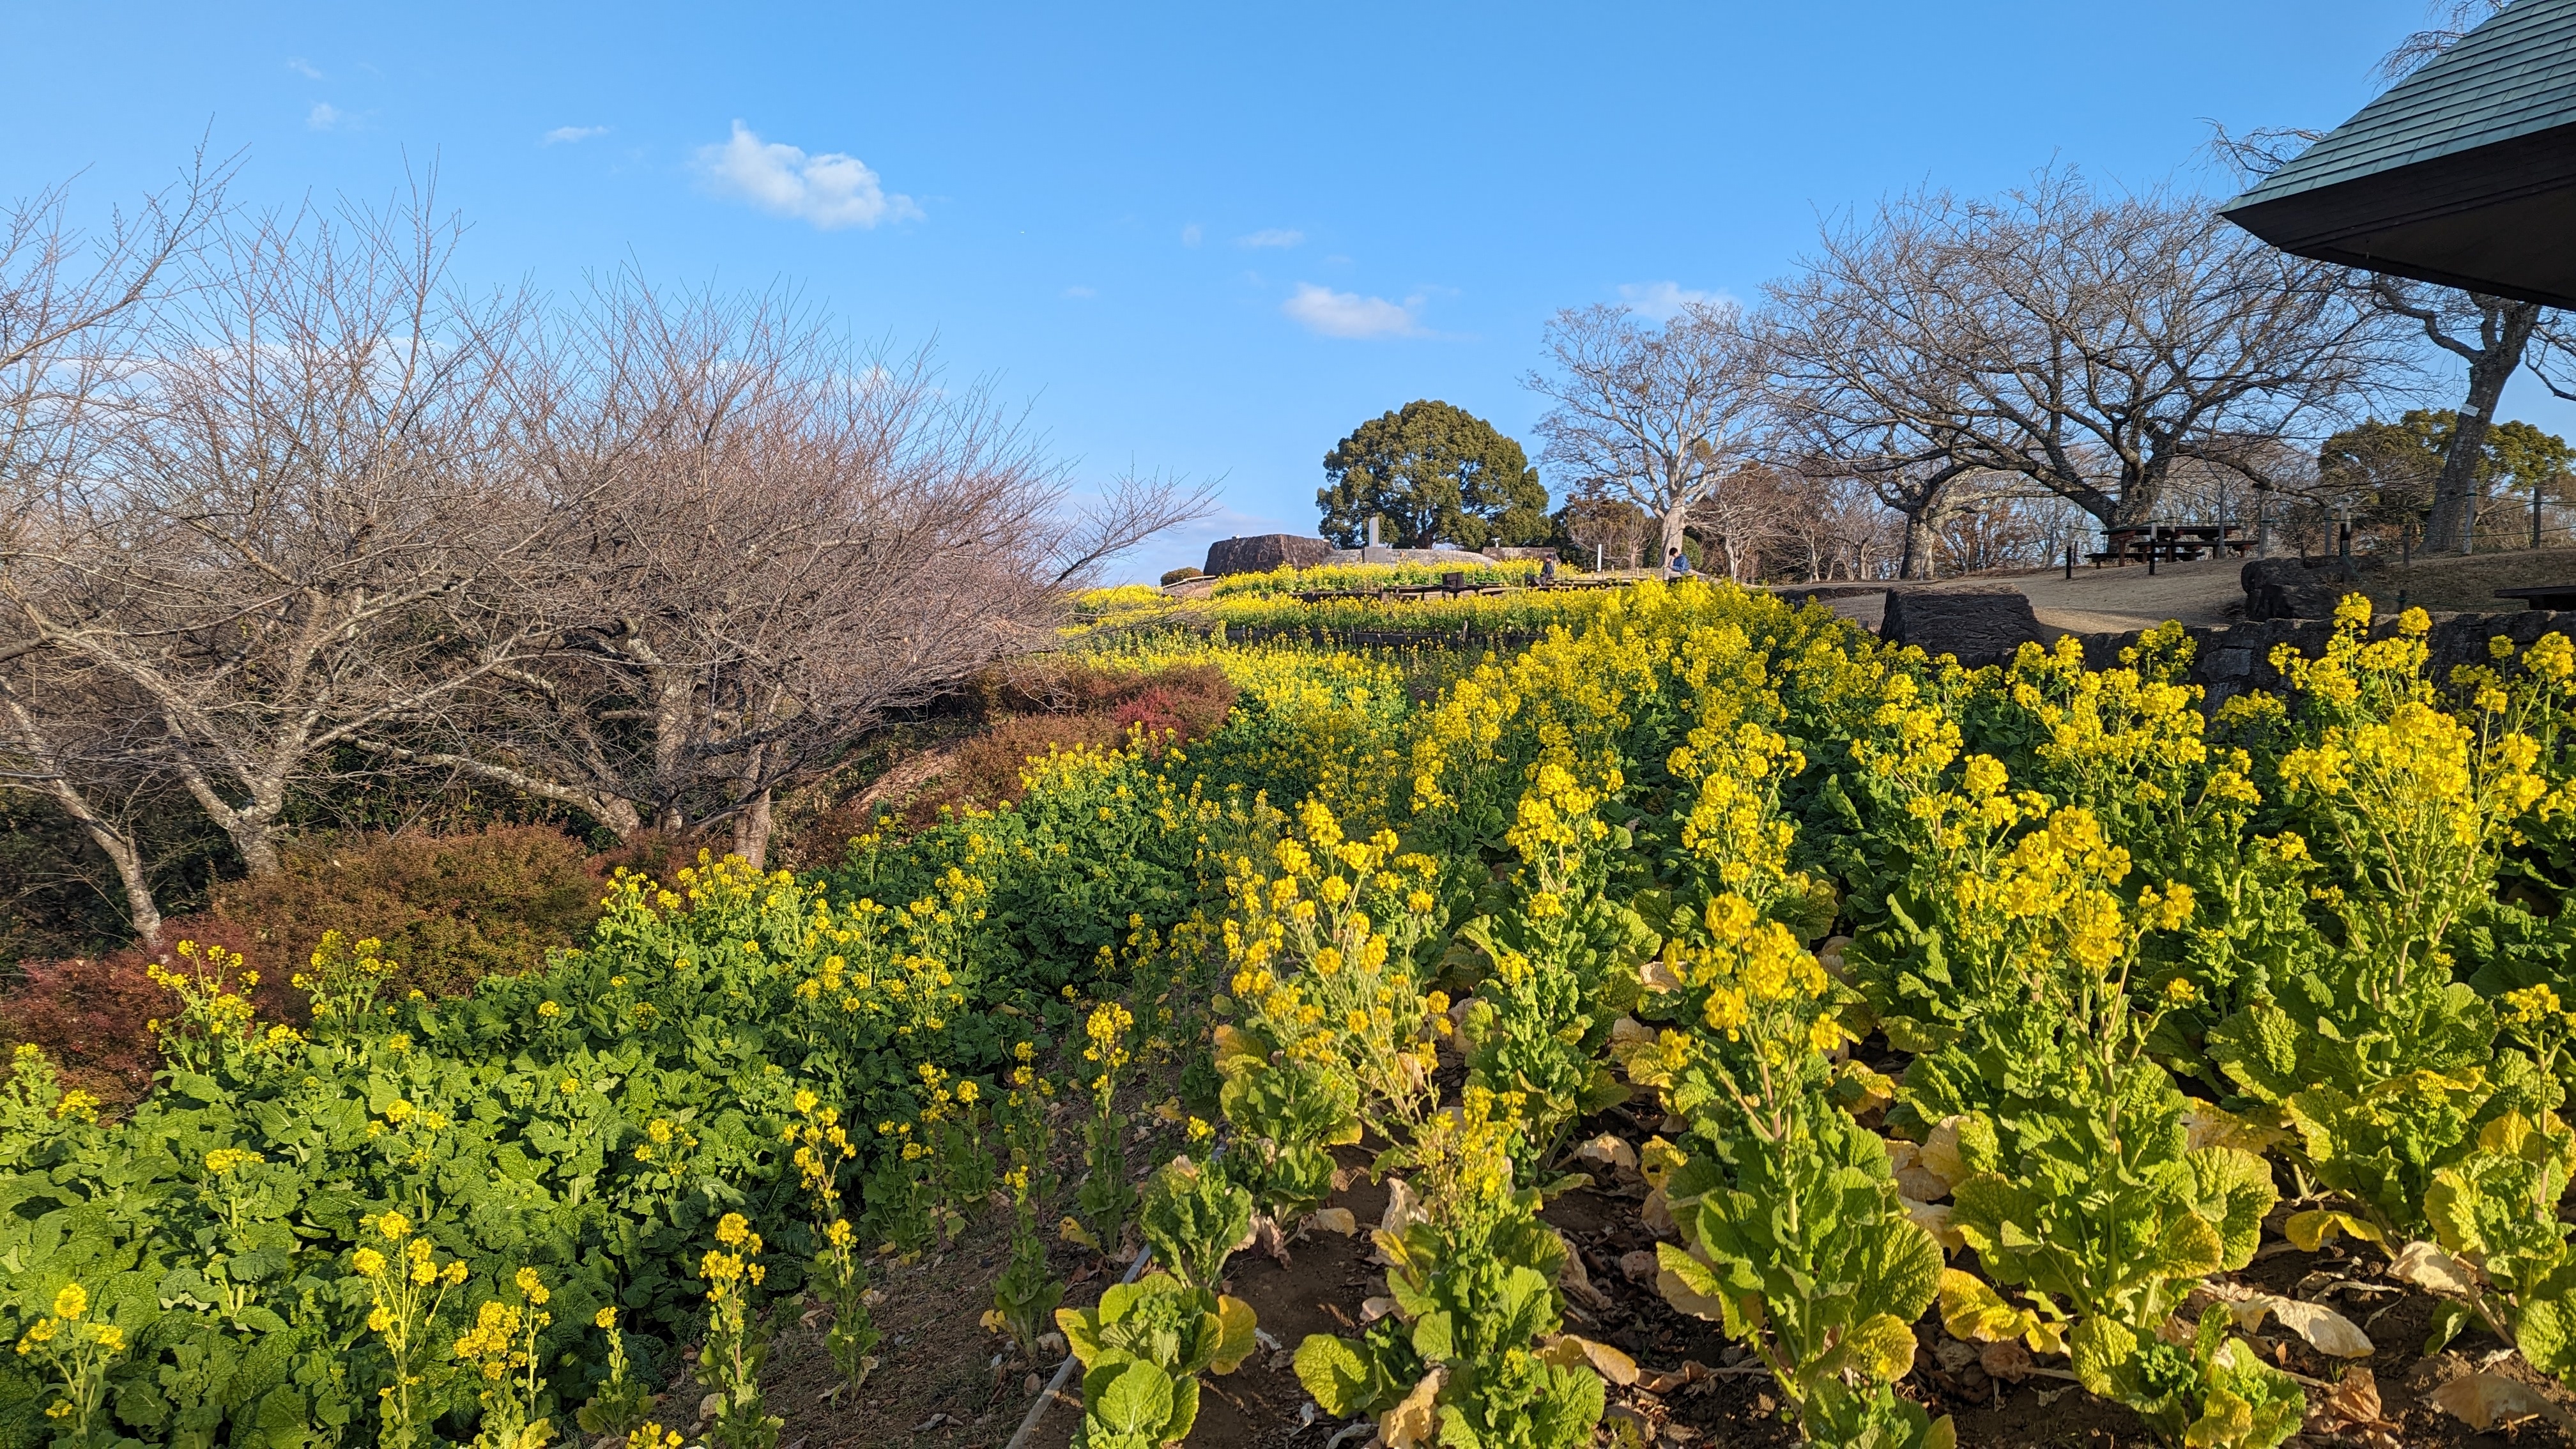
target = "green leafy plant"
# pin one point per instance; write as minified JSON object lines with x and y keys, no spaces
{"x":2212,"y":1391}
{"x":1286,"y":1113}
{"x":729,"y":1363}
{"x":1142,"y":1350}
{"x":1477,"y":1359}
{"x":409,"y":1283}
{"x":76,"y":1349}
{"x":1106,"y":1197}
{"x":1793,"y":1237}
{"x":1026,"y":1294}
{"x":1564,"y":960}
{"x":500,"y":1352}
{"x":622,"y":1400}
{"x":823,"y":1150}
{"x":1193,"y":1216}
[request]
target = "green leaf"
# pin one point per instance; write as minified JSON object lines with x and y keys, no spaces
{"x":2236,"y":1191}
{"x":1081,"y":1328}
{"x":2450,"y":1315}
{"x":1341,"y":1377}
{"x":1130,"y":1398}
{"x":1432,"y":1337}
{"x":1235,"y":1341}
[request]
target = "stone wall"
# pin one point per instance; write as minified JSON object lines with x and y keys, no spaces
{"x":2234,"y":659}
{"x":1455,"y":558}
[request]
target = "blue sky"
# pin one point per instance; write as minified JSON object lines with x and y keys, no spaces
{"x":1202,"y":239}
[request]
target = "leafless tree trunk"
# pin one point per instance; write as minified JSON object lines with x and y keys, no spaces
{"x":2490,"y":334}
{"x":777,"y":544}
{"x":1656,"y":416}
{"x":70,"y":308}
{"x":309,"y":522}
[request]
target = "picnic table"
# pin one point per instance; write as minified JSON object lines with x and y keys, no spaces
{"x":2177,"y":543}
{"x":2543,"y":596}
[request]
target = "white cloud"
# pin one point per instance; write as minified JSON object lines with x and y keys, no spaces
{"x":830,"y":190}
{"x":1079,"y":292}
{"x":325,"y":116}
{"x":302,"y":67}
{"x":1664,"y":300}
{"x":1348,"y":314}
{"x":1271,"y":237}
{"x":1190,"y":235}
{"x":561,"y":134}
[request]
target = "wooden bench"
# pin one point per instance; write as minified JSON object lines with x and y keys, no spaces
{"x":2543,"y":596}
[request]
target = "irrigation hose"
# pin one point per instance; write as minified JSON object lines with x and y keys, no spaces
{"x":1064,"y":1371}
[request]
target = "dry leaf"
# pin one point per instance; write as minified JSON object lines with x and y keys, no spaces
{"x":2429,"y":1268}
{"x":1609,"y":1149}
{"x":1692,"y":1371}
{"x":1570,"y":1350}
{"x":1921,"y":1183}
{"x":2483,"y":1400}
{"x":1639,"y":1266}
{"x":1414,"y":1421}
{"x":2325,"y":1330}
{"x":1830,"y":955}
{"x":1333,"y":1220}
{"x":2355,"y":1400}
{"x":1403,"y":1209}
{"x":1576,"y":1281}
{"x":1940,"y":1157}
{"x":1628,"y":1031}
{"x":1373,"y":1309}
{"x":1656,"y":1214}
{"x":1934,"y":1218}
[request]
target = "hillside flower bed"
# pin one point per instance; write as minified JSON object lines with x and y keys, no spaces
{"x":1901,"y":1007}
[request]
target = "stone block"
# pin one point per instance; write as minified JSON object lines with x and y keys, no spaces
{"x":1263,"y":552}
{"x":1982,"y":627}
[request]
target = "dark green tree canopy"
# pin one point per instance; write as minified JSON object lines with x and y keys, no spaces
{"x":1435,"y":474}
{"x":2393,"y":465}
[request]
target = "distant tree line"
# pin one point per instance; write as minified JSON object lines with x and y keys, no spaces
{"x":1951,"y":382}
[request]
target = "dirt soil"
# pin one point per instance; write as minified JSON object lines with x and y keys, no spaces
{"x":940,"y":1383}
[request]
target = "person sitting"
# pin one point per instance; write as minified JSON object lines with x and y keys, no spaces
{"x":1547,"y":573}
{"x":1678,"y":566}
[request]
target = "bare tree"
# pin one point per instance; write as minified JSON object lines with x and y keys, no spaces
{"x":2088,"y":344}
{"x":309,"y":521}
{"x":2452,"y":21}
{"x":70,"y":307}
{"x":2490,"y":334}
{"x":1612,"y":530}
{"x":776,"y":543}
{"x":1657,"y":416}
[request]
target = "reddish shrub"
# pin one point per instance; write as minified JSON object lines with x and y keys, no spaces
{"x":450,"y":910}
{"x":656,"y":853}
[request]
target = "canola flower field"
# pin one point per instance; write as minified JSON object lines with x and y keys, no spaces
{"x":2166,"y":985}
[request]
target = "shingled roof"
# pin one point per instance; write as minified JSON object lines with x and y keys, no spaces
{"x":2463,"y":173}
